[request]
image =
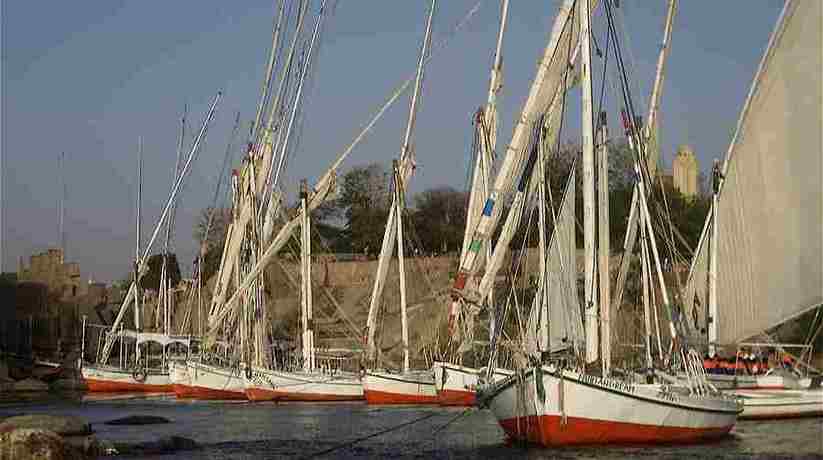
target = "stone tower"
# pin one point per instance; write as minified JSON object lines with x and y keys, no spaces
{"x":684,"y":171}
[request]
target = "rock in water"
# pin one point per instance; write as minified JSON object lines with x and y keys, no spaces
{"x":161,"y":446}
{"x":62,"y":425}
{"x":34,"y":444}
{"x":139,"y":420}
{"x":30,"y":384}
{"x":4,"y":371}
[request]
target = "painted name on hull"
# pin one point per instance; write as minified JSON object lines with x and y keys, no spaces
{"x":607,"y":383}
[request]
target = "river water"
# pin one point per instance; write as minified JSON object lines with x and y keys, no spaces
{"x":240,"y":430}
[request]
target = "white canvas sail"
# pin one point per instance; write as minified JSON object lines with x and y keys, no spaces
{"x":770,"y":207}
{"x":561,"y":326}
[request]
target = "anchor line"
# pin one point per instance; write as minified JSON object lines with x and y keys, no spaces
{"x":454,"y":419}
{"x":373,"y":435}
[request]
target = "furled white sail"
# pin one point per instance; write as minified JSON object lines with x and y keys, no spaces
{"x":770,"y":206}
{"x":561,"y":326}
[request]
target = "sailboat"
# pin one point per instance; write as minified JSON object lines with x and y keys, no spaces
{"x":320,"y":193}
{"x":572,"y":395}
{"x":407,"y":386}
{"x":312,"y":381}
{"x":235,"y":342}
{"x":455,"y":382}
{"x":759,"y":261}
{"x":136,"y":369}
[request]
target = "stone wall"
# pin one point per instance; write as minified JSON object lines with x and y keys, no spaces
{"x":62,"y":278}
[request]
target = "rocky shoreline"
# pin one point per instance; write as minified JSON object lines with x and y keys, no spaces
{"x":49,"y":437}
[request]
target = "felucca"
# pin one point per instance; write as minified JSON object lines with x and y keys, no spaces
{"x":456,"y":383}
{"x":572,"y":395}
{"x":406,"y":386}
{"x":135,"y":368}
{"x":760,"y":258}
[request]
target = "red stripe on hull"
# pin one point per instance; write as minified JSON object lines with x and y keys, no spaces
{"x":194,"y":392}
{"x":384,"y":397}
{"x":548,"y":431}
{"x":456,"y":398}
{"x":108,"y":386}
{"x":258,"y":394}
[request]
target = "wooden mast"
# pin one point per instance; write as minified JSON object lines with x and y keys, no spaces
{"x":603,"y":249}
{"x":405,"y":165}
{"x":589,"y":248}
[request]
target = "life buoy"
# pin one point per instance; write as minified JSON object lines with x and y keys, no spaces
{"x":139,"y":374}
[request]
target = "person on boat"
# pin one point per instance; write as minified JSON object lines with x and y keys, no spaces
{"x":709,"y":364}
{"x":728,"y":366}
{"x":723,"y":366}
{"x":717,"y":175}
{"x":787,"y":362}
{"x":765,"y":364}
{"x":740,"y":366}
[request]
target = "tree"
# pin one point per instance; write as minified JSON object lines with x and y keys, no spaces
{"x":439,"y":219}
{"x":215,"y":239}
{"x":364,"y":202}
{"x":151,"y":280}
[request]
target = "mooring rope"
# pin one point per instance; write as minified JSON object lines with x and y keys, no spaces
{"x":453,"y":419}
{"x":373,"y":435}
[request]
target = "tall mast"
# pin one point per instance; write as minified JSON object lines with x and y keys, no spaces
{"x":543,"y":312}
{"x":589,"y":243}
{"x":298,"y":93}
{"x":652,"y":146}
{"x":264,"y":96}
{"x":712,"y":319}
{"x":651,"y":120}
{"x":137,"y":246}
{"x":404,"y":320}
{"x":305,"y":264}
{"x":405,"y":167}
{"x":646,"y":277}
{"x":142,"y":261}
{"x":543,"y":94}
{"x":231,"y":248}
{"x":603,"y":249}
{"x":487,"y":129}
{"x":165,"y":296}
{"x":62,"y":218}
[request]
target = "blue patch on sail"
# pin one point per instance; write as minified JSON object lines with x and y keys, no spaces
{"x":487,"y":208}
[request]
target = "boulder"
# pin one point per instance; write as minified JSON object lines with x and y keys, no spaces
{"x":138,"y":420}
{"x":62,"y":425}
{"x":161,"y":446}
{"x":35,"y":444}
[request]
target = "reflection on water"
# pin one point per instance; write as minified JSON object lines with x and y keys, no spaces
{"x":240,"y":430}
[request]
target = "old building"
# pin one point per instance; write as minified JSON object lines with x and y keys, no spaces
{"x":685,"y":170}
{"x":48,"y":268}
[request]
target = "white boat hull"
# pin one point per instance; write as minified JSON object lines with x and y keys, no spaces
{"x":274,"y":385}
{"x":774,"y":404}
{"x":755,"y":382}
{"x":195,"y":380}
{"x":583,"y":409}
{"x":407,"y":388}
{"x":108,"y":379}
{"x":457,"y":385}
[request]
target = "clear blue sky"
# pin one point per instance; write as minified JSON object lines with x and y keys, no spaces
{"x":89,"y":77}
